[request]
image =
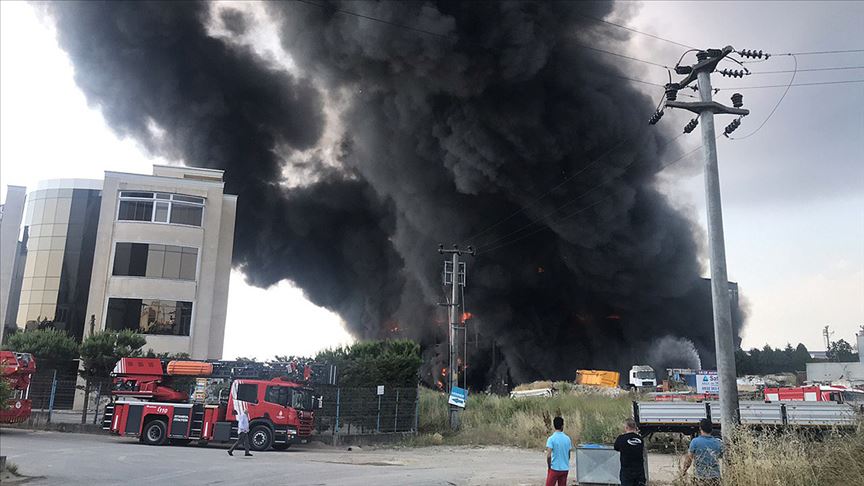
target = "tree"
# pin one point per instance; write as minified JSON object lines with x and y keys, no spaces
{"x":841,"y":351}
{"x":371,"y":363}
{"x":52,"y":348}
{"x":101,"y":351}
{"x":772,"y":360}
{"x":800,"y":357}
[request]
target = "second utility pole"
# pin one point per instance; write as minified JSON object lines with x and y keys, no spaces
{"x":456,"y":273}
{"x":706,"y":108}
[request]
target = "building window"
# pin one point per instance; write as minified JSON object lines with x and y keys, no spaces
{"x":155,"y":261}
{"x":161,"y":207}
{"x":150,"y":316}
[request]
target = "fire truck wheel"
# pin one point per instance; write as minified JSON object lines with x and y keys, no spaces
{"x":281,"y":447}
{"x":154,"y":432}
{"x":260,"y":438}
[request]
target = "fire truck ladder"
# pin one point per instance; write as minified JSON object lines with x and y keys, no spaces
{"x":108,"y":416}
{"x":197,"y":421}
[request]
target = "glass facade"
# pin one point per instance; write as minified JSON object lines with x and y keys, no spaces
{"x":149,"y":316}
{"x":160,"y":207}
{"x":155,"y":261}
{"x":59,"y":240}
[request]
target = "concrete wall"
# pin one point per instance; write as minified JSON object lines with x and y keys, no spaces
{"x":214,"y":241}
{"x":836,"y":372}
{"x":10,"y":227}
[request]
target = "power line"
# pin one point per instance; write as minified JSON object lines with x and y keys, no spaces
{"x":454,"y":39}
{"x":577,"y":198}
{"x":652,"y":63}
{"x":376,"y":19}
{"x":556,"y":186}
{"x":636,"y":31}
{"x":815,"y":53}
{"x":786,"y":71}
{"x":788,"y":86}
{"x":819,"y":83}
{"x":581,"y":210}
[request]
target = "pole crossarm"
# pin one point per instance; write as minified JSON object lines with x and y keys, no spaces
{"x":712,"y":106}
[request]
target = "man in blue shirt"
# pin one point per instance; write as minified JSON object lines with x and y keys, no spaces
{"x":558,"y":447}
{"x":705,"y":451}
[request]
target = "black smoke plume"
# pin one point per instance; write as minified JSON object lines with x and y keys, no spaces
{"x":454,"y":115}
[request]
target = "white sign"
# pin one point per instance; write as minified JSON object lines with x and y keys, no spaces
{"x":708,"y":382}
{"x":380,"y":389}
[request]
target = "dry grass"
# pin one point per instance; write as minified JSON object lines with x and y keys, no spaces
{"x":527,"y":422}
{"x":793,"y":459}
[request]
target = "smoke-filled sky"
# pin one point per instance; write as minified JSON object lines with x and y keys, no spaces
{"x":395,"y":139}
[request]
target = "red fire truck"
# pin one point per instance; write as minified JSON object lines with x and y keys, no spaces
{"x":815,"y":393}
{"x":16,"y":369}
{"x":154,"y":405}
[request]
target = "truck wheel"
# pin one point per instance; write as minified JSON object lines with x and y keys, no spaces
{"x":154,"y":432}
{"x":260,"y":438}
{"x":281,"y":447}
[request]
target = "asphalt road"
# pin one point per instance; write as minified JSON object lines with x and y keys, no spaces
{"x":57,"y":458}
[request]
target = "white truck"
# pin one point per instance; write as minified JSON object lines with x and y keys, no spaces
{"x":642,"y":377}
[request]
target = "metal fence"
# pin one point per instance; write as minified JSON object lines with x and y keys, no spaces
{"x":52,"y":395}
{"x":359,"y":411}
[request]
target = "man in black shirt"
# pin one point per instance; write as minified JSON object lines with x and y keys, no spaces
{"x":631,"y":447}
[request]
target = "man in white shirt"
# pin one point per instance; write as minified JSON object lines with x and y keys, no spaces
{"x":242,"y":432}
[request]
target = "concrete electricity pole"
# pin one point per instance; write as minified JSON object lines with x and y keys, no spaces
{"x":707,"y":61}
{"x":454,"y":275}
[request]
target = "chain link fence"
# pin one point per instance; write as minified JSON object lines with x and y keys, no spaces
{"x":370,"y":410}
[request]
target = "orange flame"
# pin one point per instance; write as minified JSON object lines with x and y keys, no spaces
{"x":466,"y":316}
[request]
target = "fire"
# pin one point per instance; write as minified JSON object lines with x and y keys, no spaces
{"x":444,"y":371}
{"x":466,"y":316}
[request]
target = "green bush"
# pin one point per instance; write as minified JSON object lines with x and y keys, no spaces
{"x":52,"y":348}
{"x":371,"y":363}
{"x":526,"y":422}
{"x":101,"y":351}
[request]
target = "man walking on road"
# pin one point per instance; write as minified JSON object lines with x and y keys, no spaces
{"x":242,"y":432}
{"x":558,"y":447}
{"x":632,"y":450}
{"x":705,"y":451}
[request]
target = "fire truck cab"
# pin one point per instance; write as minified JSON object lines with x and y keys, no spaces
{"x":17,"y":369}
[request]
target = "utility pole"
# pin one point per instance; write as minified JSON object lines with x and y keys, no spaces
{"x":707,"y":61}
{"x":454,"y":275}
{"x":827,"y":334}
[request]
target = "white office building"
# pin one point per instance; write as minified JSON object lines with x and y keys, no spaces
{"x":151,"y":253}
{"x":163,"y":258}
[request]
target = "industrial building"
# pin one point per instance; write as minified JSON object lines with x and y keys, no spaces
{"x":839,"y":373}
{"x":150,"y":253}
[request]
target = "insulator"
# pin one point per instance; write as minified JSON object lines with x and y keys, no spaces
{"x":730,"y":73}
{"x":672,"y":91}
{"x":737,"y":100}
{"x":732,"y":127}
{"x":691,"y":125}
{"x":753,"y":54}
{"x":655,"y":117}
